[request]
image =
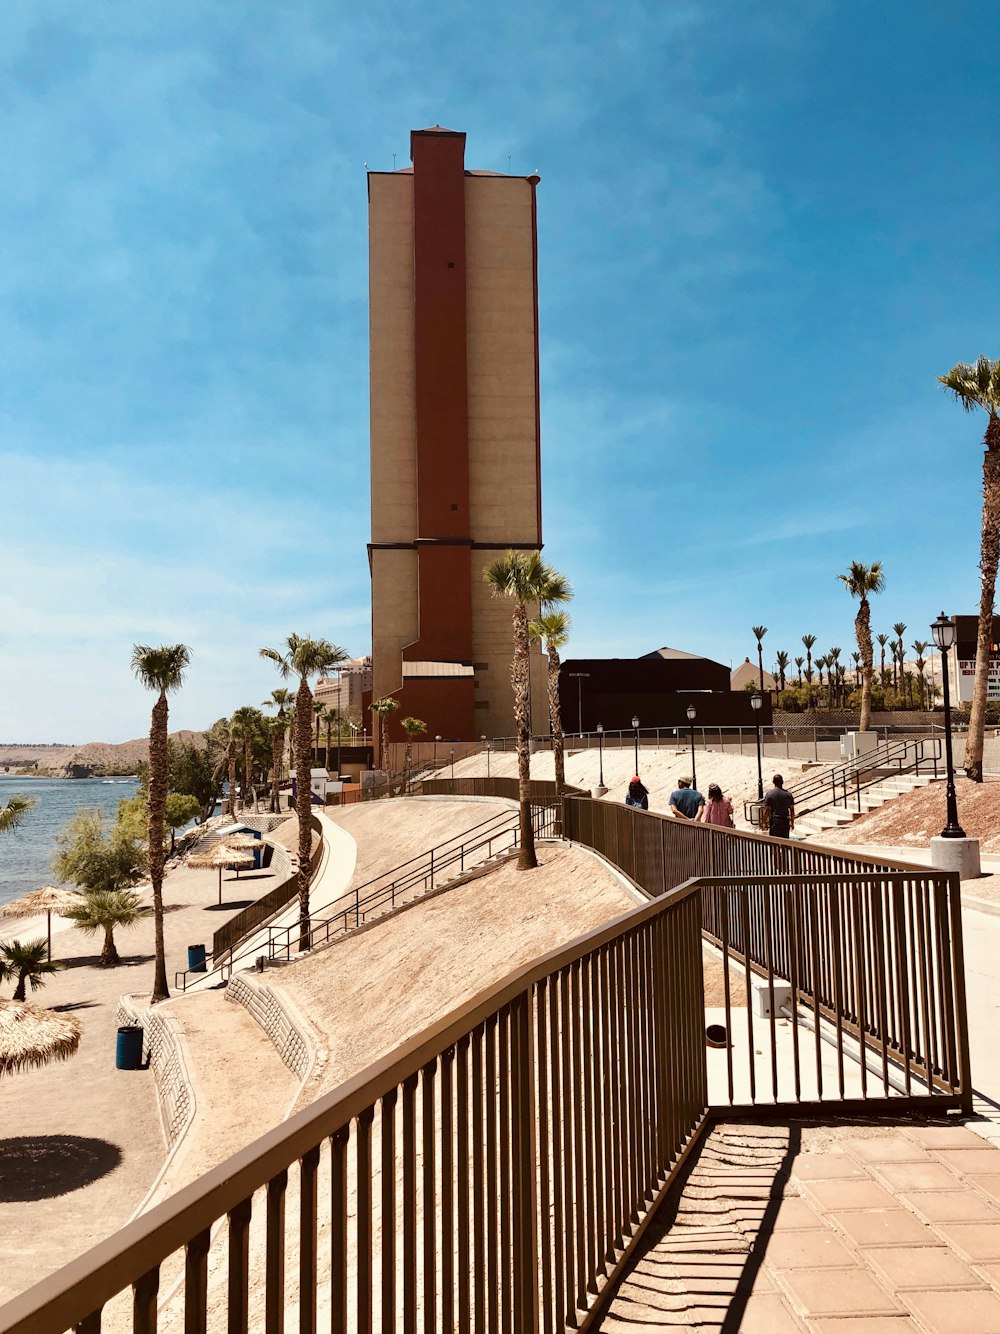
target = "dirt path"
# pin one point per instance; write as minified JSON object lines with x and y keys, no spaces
{"x":242,"y":1087}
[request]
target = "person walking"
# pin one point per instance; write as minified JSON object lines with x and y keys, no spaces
{"x":718,"y":810}
{"x":780,"y":806}
{"x":686,"y":801}
{"x":637,"y":794}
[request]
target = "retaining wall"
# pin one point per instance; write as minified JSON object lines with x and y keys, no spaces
{"x":284,"y":1030}
{"x":163,"y":1048}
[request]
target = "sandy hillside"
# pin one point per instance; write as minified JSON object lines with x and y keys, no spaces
{"x":659,"y":769}
{"x":122,"y":757}
{"x":390,"y":832}
{"x":912,"y":820}
{"x":371,"y":991}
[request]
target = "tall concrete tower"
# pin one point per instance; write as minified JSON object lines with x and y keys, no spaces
{"x":454,"y":432}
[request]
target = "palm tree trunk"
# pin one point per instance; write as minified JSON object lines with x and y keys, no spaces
{"x":277,"y":751}
{"x":109,"y":954}
{"x":527,"y":860}
{"x":231,"y":804}
{"x":158,"y":781}
{"x":20,"y":992}
{"x":555,"y":718}
{"x":406,"y":764}
{"x":863,"y":632}
{"x":303,"y":800}
{"x":989,"y":556}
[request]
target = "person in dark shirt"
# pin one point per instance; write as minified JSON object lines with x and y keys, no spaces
{"x":686,"y":801}
{"x":781,"y":808}
{"x":637,"y":794}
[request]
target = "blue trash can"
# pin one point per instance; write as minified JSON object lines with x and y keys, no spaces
{"x":196,"y":959}
{"x":128,"y":1055}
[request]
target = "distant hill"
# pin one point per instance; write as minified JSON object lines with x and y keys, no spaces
{"x":96,"y":757}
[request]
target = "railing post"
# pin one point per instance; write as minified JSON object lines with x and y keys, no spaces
{"x":525,"y":1186}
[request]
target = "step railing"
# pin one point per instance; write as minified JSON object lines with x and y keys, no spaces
{"x":842,"y":785}
{"x":420,"y":874}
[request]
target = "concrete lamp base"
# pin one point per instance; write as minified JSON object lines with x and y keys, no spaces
{"x":598,"y":791}
{"x":956,"y":854}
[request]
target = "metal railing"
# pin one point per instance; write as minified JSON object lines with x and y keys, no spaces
{"x":868,"y":951}
{"x":496,"y":1171}
{"x":837,"y":785}
{"x":491,"y":1174}
{"x":245,"y":922}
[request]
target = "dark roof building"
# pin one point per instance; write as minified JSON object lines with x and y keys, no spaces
{"x":657,"y":688}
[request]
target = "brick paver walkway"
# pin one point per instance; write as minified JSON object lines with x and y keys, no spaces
{"x":857,"y":1228}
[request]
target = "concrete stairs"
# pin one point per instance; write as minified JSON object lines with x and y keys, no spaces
{"x":871,"y":798}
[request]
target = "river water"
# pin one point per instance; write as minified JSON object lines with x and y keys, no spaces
{"x":26,"y":854}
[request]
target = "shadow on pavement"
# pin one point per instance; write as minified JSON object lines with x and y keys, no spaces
{"x":40,"y":1167}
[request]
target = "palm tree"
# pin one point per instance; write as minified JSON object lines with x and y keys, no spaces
{"x":781,"y":660}
{"x":330,"y":716}
{"x":523,"y":578}
{"x":384,"y":709}
{"x":798,"y":664}
{"x":280,"y":699}
{"x":820,"y":664}
{"x":14,"y":811}
{"x":899,"y":630}
{"x":856,"y":659}
{"x":978,"y":386}
{"x":246,"y":724}
{"x":304,"y":657}
{"x":103,"y":910}
{"x":413,"y":727}
{"x":553,"y":628}
{"x":832,"y":674}
{"x":758,"y":632}
{"x":29,"y":963}
{"x":160,"y":669}
{"x":920,"y":647}
{"x":318,"y":708}
{"x":882,"y":641}
{"x":861,"y":580}
{"x":808,"y":641}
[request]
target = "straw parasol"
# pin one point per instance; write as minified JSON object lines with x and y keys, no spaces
{"x":49,"y":899}
{"x":221,"y":857}
{"x":242,"y":841}
{"x":31,"y":1036}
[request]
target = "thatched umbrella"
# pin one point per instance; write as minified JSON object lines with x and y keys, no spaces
{"x":242,"y":841}
{"x":49,"y":899}
{"x":221,"y":857}
{"x":31,"y":1036}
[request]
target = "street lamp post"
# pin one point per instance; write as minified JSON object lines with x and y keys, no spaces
{"x":453,"y":764}
{"x":579,"y":677}
{"x":635,"y":728}
{"x":757,"y":702}
{"x":488,"y":749}
{"x":435,"y":756}
{"x":600,"y":743}
{"x":340,"y":712}
{"x":943,"y":630}
{"x":692,"y":714}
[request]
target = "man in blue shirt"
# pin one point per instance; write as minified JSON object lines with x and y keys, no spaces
{"x":686,"y":801}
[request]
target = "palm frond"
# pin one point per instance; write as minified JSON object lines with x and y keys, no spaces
{"x":551,"y":628}
{"x":161,"y":668}
{"x":12,"y":814}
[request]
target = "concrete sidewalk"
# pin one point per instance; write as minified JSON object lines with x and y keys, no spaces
{"x":788,"y":1228}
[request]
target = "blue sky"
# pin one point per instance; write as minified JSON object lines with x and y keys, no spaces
{"x":763,"y":231}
